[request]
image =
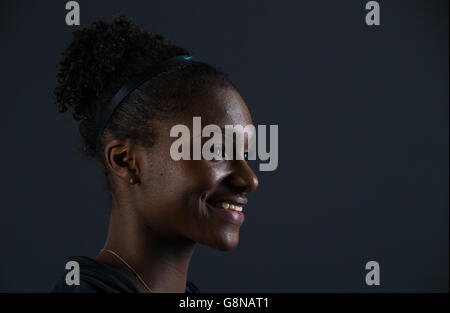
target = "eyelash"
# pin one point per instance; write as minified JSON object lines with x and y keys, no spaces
{"x":223,"y":155}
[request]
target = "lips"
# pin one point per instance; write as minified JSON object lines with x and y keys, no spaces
{"x":233,"y":204}
{"x":230,"y":206}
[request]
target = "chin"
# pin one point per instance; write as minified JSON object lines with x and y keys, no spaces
{"x":227,"y":242}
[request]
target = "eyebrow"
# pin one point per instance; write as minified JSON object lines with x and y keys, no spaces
{"x":223,"y":130}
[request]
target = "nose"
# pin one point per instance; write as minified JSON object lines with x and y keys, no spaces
{"x":243,"y":177}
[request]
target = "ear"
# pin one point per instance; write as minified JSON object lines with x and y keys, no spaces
{"x":121,"y":160}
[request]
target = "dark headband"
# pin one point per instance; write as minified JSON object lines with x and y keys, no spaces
{"x":132,"y":84}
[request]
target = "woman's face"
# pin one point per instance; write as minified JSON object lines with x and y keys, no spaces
{"x":181,"y":198}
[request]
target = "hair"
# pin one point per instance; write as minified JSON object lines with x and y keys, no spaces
{"x":101,"y":58}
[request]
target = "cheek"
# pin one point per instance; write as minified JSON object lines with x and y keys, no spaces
{"x":199,"y":179}
{"x":179,"y":187}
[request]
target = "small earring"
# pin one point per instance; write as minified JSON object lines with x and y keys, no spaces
{"x":132,"y":181}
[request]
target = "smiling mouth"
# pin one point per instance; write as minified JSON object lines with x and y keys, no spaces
{"x":227,"y":205}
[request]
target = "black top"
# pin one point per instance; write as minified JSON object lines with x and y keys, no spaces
{"x":97,"y":277}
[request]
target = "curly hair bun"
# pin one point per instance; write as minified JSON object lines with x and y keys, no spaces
{"x":102,"y":57}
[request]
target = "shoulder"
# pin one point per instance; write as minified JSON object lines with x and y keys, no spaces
{"x":94,"y":277}
{"x":192,"y":288}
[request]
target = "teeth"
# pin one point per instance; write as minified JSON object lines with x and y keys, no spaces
{"x":234,"y":207}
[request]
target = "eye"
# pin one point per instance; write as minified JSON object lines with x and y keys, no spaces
{"x":219,"y":152}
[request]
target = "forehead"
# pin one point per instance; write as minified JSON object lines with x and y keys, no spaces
{"x":220,"y":106}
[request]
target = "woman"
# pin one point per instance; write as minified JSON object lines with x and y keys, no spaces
{"x":128,"y":88}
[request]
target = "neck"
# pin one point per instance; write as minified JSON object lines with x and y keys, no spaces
{"x":162,"y":262}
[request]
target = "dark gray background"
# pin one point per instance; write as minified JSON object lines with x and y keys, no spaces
{"x":363,"y":142}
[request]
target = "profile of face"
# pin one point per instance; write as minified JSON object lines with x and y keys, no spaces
{"x":187,"y":198}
